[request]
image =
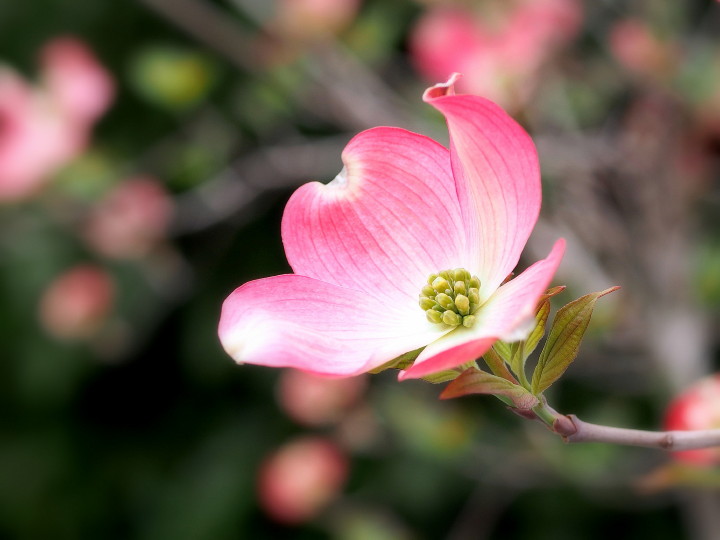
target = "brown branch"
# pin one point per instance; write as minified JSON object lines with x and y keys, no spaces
{"x":574,"y":430}
{"x":211,"y":26}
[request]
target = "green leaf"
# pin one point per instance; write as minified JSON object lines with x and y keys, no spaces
{"x":538,"y":332}
{"x":517,"y":359}
{"x":503,"y":349}
{"x":403,"y":361}
{"x":497,"y":365}
{"x":541,"y":317}
{"x":475,"y":381}
{"x":563,"y":343}
{"x":448,"y":374}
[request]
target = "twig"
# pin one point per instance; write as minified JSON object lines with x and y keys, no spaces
{"x":236,"y":188}
{"x":211,"y":26}
{"x":574,"y":430}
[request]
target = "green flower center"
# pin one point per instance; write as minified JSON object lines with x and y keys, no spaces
{"x":451,"y":297}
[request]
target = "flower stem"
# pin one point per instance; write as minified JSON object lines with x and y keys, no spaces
{"x":545,"y":413}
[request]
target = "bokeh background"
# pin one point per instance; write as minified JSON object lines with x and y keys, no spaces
{"x":147,"y":149}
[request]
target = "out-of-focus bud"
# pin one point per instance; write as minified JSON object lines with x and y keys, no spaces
{"x":131,"y":220}
{"x":312,"y":20}
{"x":75,"y":81}
{"x":500,"y":54}
{"x":697,"y":408}
{"x":77,"y":302}
{"x":317,"y":401}
{"x":172,"y":77}
{"x":638,"y":50}
{"x":301,"y":478}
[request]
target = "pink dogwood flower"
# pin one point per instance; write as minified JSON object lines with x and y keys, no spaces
{"x":317,"y":401}
{"x":312,"y":19}
{"x":301,"y":478}
{"x":639,"y":50}
{"x":44,"y":127}
{"x":697,"y":408}
{"x":500,"y":53}
{"x":77,"y":302}
{"x":408,"y":247}
{"x":131,"y":220}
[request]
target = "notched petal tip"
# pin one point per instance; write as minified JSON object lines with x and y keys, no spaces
{"x":340,"y":180}
{"x":442,"y":89}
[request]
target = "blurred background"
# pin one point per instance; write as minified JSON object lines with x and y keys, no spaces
{"x":147,"y":149}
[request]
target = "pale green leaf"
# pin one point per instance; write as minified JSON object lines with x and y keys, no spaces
{"x":541,"y":317}
{"x":503,"y":349}
{"x":403,"y":361}
{"x":497,"y":365}
{"x":563,"y":343}
{"x":538,"y":332}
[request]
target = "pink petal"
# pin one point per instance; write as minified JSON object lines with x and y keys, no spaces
{"x":387,"y":221}
{"x":505,"y":316}
{"x":496,"y":169}
{"x":301,"y":322}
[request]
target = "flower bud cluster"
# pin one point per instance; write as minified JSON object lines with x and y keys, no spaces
{"x":451,"y":297}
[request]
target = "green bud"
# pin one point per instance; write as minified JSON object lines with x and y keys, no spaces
{"x":473,"y":296}
{"x":427,"y":290}
{"x":451,"y":297}
{"x":463,"y":304}
{"x":444,"y":300}
{"x":440,"y":284}
{"x":451,"y":319}
{"x":434,"y":316}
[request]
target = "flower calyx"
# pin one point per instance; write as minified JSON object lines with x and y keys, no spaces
{"x":451,"y":297}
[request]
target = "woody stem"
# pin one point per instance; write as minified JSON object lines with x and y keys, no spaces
{"x":574,"y":430}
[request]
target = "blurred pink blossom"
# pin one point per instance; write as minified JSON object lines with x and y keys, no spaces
{"x":132,"y":219}
{"x":301,"y":478}
{"x":638,"y":50}
{"x":312,"y":19}
{"x":500,"y":58}
{"x":316,"y":401}
{"x":44,"y":127}
{"x":697,"y":408}
{"x":77,"y":302}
